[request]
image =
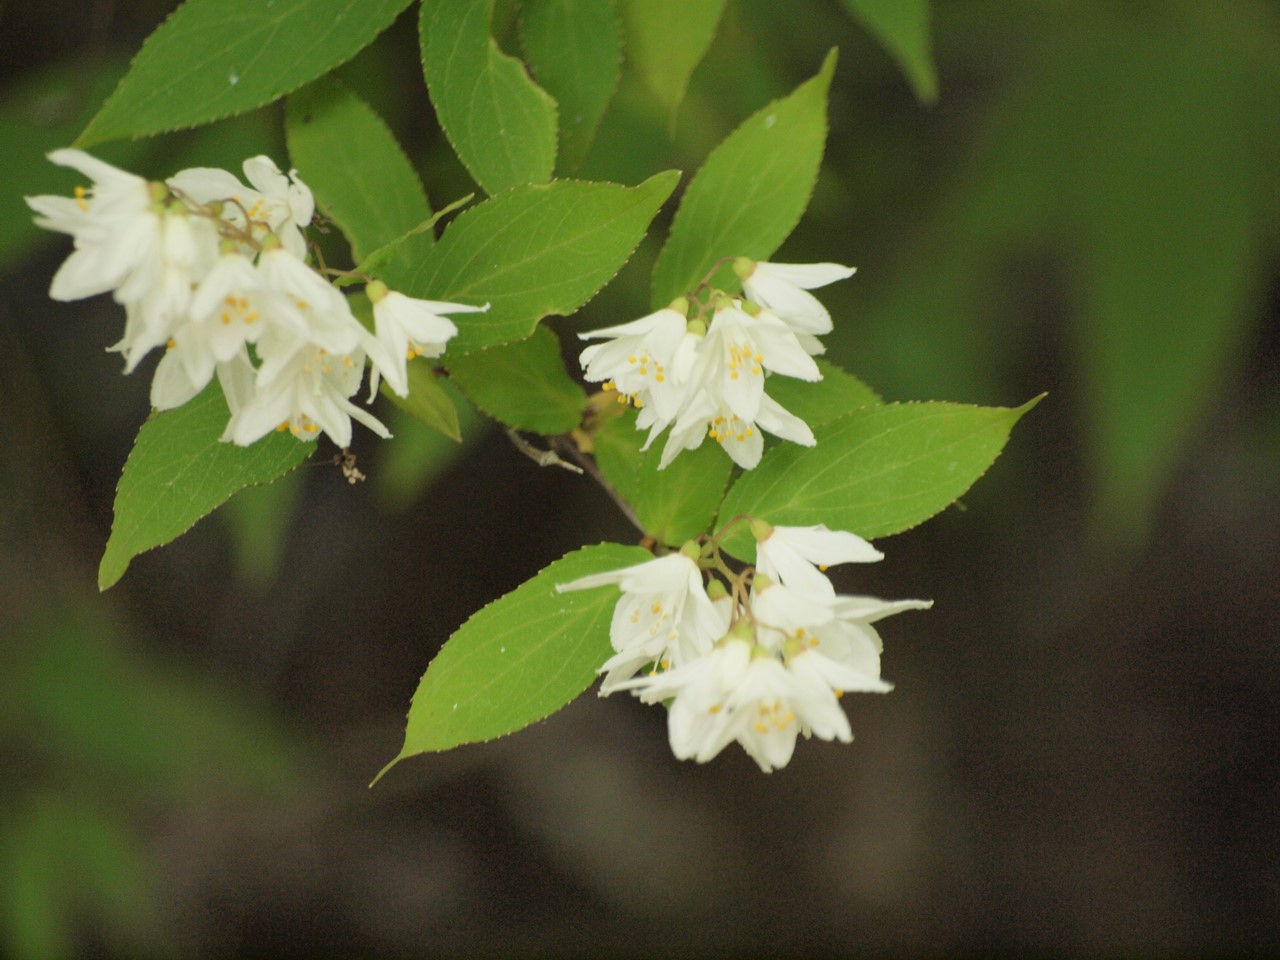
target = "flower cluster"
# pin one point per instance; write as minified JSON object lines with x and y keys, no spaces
{"x":759,"y":657}
{"x":217,"y":273}
{"x":705,"y":378}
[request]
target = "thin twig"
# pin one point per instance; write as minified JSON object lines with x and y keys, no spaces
{"x":543,"y":458}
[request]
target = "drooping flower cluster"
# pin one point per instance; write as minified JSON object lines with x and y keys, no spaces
{"x":708,"y":379}
{"x":216,"y":272}
{"x":760,"y":657}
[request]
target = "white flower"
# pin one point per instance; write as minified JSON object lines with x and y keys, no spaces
{"x":789,"y":554}
{"x":775,"y":676}
{"x":783,"y":289}
{"x":703,"y":417}
{"x":279,"y":204}
{"x":116,"y":224}
{"x":232,"y":306}
{"x":156,"y":295}
{"x":741,"y":691}
{"x":306,"y":394}
{"x":727,"y":387}
{"x":408,"y":328}
{"x":664,"y":615}
{"x":648,"y":361}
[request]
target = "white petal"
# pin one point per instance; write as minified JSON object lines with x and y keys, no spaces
{"x":809,"y":276}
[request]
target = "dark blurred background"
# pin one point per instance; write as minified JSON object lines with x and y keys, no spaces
{"x":1081,"y":755}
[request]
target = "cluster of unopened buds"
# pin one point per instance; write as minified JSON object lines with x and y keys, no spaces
{"x":760,"y":655}
{"x":217,"y":273}
{"x":706,"y":377}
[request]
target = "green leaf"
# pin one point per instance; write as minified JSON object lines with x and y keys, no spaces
{"x":836,"y":394}
{"x":750,"y":193}
{"x":523,"y":384}
{"x":875,"y":472}
{"x":902,"y":27}
{"x":532,"y":252}
{"x":179,"y":471}
{"x":501,"y":123}
{"x":215,"y":58}
{"x":675,"y":504}
{"x":666,"y":40}
{"x":427,"y":401}
{"x":519,"y":659}
{"x":358,"y":173}
{"x":575,"y":50}
{"x":392,"y":260}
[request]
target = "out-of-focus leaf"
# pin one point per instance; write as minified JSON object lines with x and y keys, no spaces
{"x":258,"y":520}
{"x":750,"y":193}
{"x":523,"y":384}
{"x":902,"y":27}
{"x":215,"y":58}
{"x":43,"y":112}
{"x":519,"y":659}
{"x":179,"y":471}
{"x":875,"y":472}
{"x":532,"y":252}
{"x":575,"y":50}
{"x":675,"y":504}
{"x":131,"y":723}
{"x":666,"y":40}
{"x":1130,"y":159}
{"x":418,"y":455}
{"x":501,"y":123}
{"x":358,"y":173}
{"x":62,"y":859}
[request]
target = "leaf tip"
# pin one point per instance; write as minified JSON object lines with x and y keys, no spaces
{"x":109,"y":572}
{"x":829,"y":64}
{"x":385,"y":770}
{"x":1026,"y":407}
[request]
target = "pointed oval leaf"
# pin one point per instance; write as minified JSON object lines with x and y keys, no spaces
{"x":215,"y":58}
{"x":532,"y":252}
{"x":360,"y":177}
{"x":523,"y":384}
{"x":836,"y":394}
{"x":179,"y":471}
{"x":902,"y":28}
{"x":501,"y":124}
{"x":427,"y":401}
{"x":875,"y":472}
{"x":750,"y":193}
{"x":519,"y":659}
{"x":666,"y":40}
{"x":675,"y":504}
{"x":575,"y":50}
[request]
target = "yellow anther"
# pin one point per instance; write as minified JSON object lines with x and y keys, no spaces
{"x":714,"y":708}
{"x":311,"y":428}
{"x":283,"y":427}
{"x":226,"y":318}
